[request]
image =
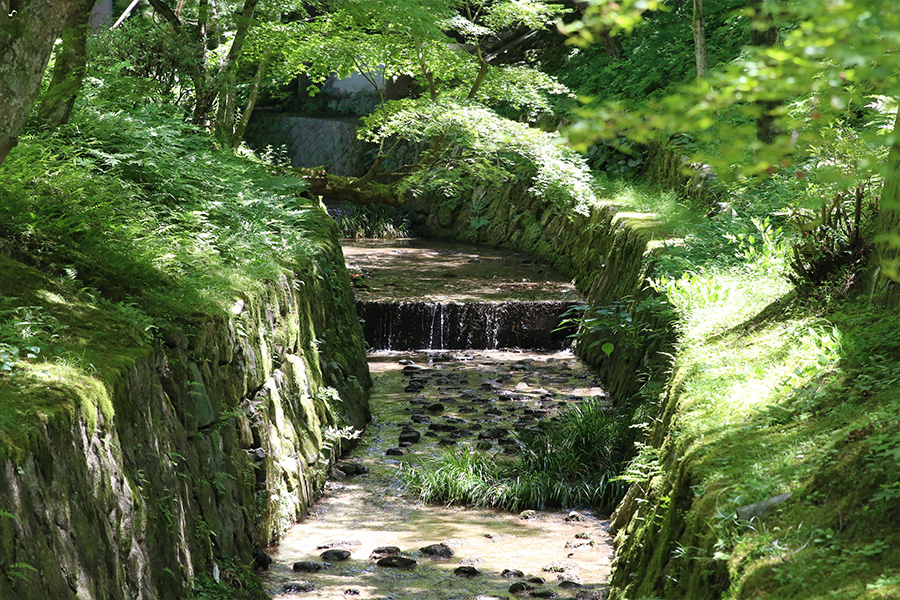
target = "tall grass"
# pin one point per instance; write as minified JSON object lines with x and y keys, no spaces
{"x":574,"y":461}
{"x":369,"y":221}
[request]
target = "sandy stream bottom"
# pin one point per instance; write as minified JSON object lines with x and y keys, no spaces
{"x":478,"y":390}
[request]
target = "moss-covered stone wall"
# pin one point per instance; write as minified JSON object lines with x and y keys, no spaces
{"x":202,"y":444}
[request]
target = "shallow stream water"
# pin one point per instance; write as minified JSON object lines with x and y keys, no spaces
{"x":452,"y":399}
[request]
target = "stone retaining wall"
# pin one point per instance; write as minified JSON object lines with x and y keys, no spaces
{"x":216,"y":442}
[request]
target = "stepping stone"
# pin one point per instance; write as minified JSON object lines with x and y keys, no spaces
{"x":396,"y":562}
{"x":307,"y":566}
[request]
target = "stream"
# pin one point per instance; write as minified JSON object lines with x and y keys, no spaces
{"x":423,"y":403}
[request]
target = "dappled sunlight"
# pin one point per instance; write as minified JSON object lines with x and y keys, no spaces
{"x":373,"y":510}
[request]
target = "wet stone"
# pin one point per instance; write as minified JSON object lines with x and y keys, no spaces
{"x":537,"y":580}
{"x":574,"y":516}
{"x":306,"y":566}
{"x":396,"y":562}
{"x":335,"y":555}
{"x":421,"y":418}
{"x":442,"y":427}
{"x":568,"y":584}
{"x":466,"y":571}
{"x":393,"y":452}
{"x":520,"y":588}
{"x":544,"y":594}
{"x":382,"y":551}
{"x":297,"y":587}
{"x":512,"y":573}
{"x":409,"y":436}
{"x":437,"y":551}
{"x":436,"y":407}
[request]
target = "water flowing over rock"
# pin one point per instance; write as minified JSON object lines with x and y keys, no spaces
{"x":460,"y":326}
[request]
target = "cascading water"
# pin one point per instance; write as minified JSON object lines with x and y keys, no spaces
{"x":464,"y":325}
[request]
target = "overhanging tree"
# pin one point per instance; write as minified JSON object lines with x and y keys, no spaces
{"x":28,"y":30}
{"x":837,"y":60}
{"x":455,"y":51}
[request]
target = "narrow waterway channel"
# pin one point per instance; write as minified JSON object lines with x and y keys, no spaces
{"x":424,"y":403}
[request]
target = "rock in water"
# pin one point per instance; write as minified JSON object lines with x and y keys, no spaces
{"x":261,"y":560}
{"x":437,"y":551}
{"x":511,"y":573}
{"x":410,"y":436}
{"x":466,"y":571}
{"x":297,"y":587}
{"x":383,"y":551}
{"x":335,"y":555}
{"x":396,"y":562}
{"x":520,"y":588}
{"x":306,"y":566}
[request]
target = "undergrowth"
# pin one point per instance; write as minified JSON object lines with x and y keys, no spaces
{"x":369,"y":221}
{"x":778,"y":394}
{"x":117,"y":228}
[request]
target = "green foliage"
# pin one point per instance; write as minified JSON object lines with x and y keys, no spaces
{"x":830,"y":62}
{"x":141,"y":209}
{"x":657,"y":56}
{"x":574,"y":461}
{"x":232,"y":580}
{"x":417,"y":39}
{"x":471,"y":143}
{"x":369,"y":221}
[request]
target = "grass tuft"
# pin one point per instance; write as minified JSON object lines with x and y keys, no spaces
{"x":574,"y":461}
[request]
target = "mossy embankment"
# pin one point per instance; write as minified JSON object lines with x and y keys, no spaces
{"x":771,"y":471}
{"x":180,"y":360}
{"x":770,"y":459}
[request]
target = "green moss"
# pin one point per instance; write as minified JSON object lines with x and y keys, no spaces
{"x":84,"y":350}
{"x":799,"y":402}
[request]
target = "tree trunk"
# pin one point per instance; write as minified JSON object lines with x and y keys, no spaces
{"x":699,"y":29}
{"x":612,"y":45}
{"x":68,"y":71}
{"x":241,"y":127}
{"x":226,"y":78}
{"x":887,"y":225}
{"x":323,"y":183}
{"x":763,"y":33}
{"x":26,"y":42}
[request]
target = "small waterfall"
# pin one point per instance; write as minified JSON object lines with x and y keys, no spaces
{"x":460,"y":326}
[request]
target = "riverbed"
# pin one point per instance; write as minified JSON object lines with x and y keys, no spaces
{"x":453,"y":400}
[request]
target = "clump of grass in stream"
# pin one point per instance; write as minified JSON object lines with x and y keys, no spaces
{"x":573,"y":461}
{"x":372,"y":221}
